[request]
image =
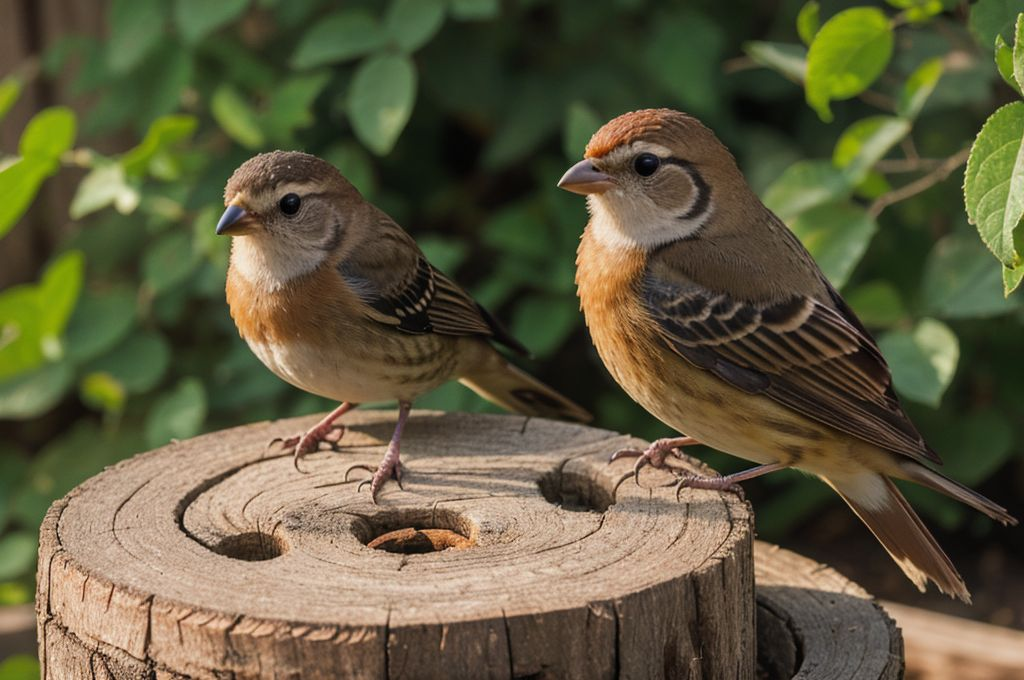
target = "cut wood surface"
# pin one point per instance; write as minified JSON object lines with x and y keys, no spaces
{"x":214,"y":558}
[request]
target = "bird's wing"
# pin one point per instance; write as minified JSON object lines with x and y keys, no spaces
{"x":809,"y":356}
{"x":402,"y":289}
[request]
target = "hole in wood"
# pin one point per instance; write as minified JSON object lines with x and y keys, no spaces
{"x":575,"y":493}
{"x":411,"y":532}
{"x":252,"y":546}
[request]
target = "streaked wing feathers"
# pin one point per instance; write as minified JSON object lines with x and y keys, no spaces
{"x":804,"y":354}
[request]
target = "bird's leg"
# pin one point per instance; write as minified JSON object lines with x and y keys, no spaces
{"x":688,"y":480}
{"x":324,"y":431}
{"x":390,"y":466}
{"x":655,"y":454}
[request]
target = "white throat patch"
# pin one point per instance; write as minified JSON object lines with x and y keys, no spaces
{"x":268,"y":265}
{"x":617,"y":221}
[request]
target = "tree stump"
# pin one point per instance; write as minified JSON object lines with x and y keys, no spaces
{"x":513,"y":551}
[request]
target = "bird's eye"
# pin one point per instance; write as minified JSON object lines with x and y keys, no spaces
{"x":646,"y":164}
{"x":290,"y":204}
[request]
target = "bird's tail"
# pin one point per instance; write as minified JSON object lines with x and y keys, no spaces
{"x":885,"y":511}
{"x":507,"y":386}
{"x":943,"y":484}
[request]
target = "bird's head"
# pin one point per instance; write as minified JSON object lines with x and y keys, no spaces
{"x":652,"y":177}
{"x":290,"y":211}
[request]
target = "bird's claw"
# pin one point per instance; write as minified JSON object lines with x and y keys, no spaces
{"x":691,"y":481}
{"x":308,"y":442}
{"x":386,"y":470}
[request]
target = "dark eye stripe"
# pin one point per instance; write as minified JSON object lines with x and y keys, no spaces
{"x":703,"y":199}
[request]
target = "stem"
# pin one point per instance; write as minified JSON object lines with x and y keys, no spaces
{"x":940,"y":173}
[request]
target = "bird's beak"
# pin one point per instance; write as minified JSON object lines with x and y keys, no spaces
{"x":235,"y":221}
{"x":584,"y":178}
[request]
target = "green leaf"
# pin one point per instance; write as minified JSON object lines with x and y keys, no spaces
{"x":808,"y":21}
{"x":519,"y":232}
{"x":877,"y":304}
{"x":50,"y":133}
{"x":994,"y":182}
{"x":918,"y":88}
{"x":986,"y":435}
{"x":163,"y":133}
{"x":681,"y":54}
{"x":33,"y":394}
{"x":355,"y":164}
{"x":960,"y":282}
{"x":1011,"y":279}
{"x":804,"y":185}
{"x":849,"y":52}
{"x":1018,"y":53}
{"x":17,"y":554}
{"x":21,"y":346}
{"x":581,"y":122}
{"x":412,"y":23}
{"x":19,"y":183}
{"x":866,"y":142}
{"x":837,"y":235}
{"x":168,"y":262}
{"x":444,"y":253}
{"x":922,"y":360}
{"x":789,"y":60}
{"x":1004,"y":64}
{"x":990,"y":18}
{"x":58,"y":291}
{"x":138,"y":363}
{"x":291,"y":105}
{"x":198,"y":18}
{"x":10,"y":89}
{"x":475,"y":10}
{"x":178,"y":414}
{"x":917,"y":11}
{"x":19,"y":667}
{"x":381,"y":100}
{"x":102,"y":391}
{"x":236,"y":117}
{"x":544,"y":322}
{"x":105,"y":185}
{"x":344,"y":35}
{"x":99,"y":322}
{"x":136,"y":27}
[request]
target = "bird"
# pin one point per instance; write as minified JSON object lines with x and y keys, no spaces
{"x":709,"y":312}
{"x":337,"y":299}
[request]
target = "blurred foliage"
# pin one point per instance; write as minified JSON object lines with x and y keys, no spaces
{"x":852,"y":120}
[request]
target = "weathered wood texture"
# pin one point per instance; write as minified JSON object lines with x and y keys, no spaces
{"x":814,"y":623}
{"x":942,"y":647}
{"x":210,"y":558}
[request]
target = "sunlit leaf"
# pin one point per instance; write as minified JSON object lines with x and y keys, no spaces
{"x":412,"y":23}
{"x":198,"y":18}
{"x":1012,"y":279}
{"x":994,"y":182}
{"x":804,"y":185}
{"x":961,"y":281}
{"x":808,"y":21}
{"x":19,"y":183}
{"x":50,"y":133}
{"x":581,"y":122}
{"x":1004,"y":64}
{"x":866,"y":142}
{"x":10,"y":89}
{"x":177,"y":414}
{"x":344,"y":35}
{"x":236,"y":117}
{"x":380,"y":101}
{"x":164,"y":132}
{"x":1018,"y":53}
{"x":849,"y":52}
{"x":917,"y":11}
{"x":788,"y":59}
{"x":105,"y":185}
{"x":291,"y":105}
{"x":837,"y":235}
{"x":922,"y":360}
{"x":990,"y":18}
{"x":918,"y":87}
{"x":21,"y":346}
{"x":102,"y":391}
{"x":58,"y":291}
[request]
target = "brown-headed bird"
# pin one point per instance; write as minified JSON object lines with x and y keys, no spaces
{"x":336,"y":299}
{"x":710,"y":313}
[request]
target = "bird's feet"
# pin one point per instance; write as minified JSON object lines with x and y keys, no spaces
{"x":309,"y":441}
{"x":689,"y":480}
{"x":390,"y":468}
{"x":655,"y":454}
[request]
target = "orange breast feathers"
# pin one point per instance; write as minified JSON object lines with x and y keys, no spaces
{"x":315,"y":307}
